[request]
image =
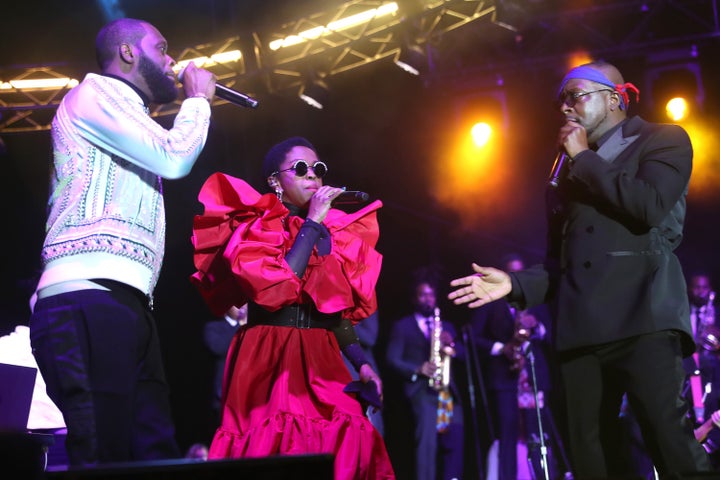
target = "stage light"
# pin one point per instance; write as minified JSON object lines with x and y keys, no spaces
{"x":39,"y":83}
{"x":677,"y":109}
{"x":411,"y":58}
{"x":334,"y":26}
{"x":510,"y":14}
{"x":678,"y":92}
{"x":577,"y":58}
{"x":674,"y":74}
{"x":481,"y":133}
{"x":205,"y":62}
{"x":315,"y":92}
{"x":484,"y":113}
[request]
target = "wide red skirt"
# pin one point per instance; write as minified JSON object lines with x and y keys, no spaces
{"x":283,"y":395}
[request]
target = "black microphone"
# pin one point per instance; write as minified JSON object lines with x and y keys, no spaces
{"x":554,"y":178}
{"x":235,"y":97}
{"x":227,"y":93}
{"x":351,"y":197}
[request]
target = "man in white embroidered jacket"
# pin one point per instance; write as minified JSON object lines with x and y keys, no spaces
{"x":92,"y":330}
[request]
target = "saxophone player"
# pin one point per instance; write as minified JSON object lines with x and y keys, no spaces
{"x":702,"y":383}
{"x":702,"y":309}
{"x":704,"y":364}
{"x":700,"y":367}
{"x":428,"y":381}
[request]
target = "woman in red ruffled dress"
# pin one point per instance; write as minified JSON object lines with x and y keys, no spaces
{"x":309,"y":273}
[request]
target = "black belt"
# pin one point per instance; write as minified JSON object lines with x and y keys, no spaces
{"x":114,"y":285}
{"x":297,"y":316}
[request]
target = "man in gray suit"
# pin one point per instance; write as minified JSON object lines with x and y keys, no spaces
{"x":611,"y":277}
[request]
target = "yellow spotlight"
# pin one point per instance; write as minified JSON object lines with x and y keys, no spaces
{"x":335,"y":26}
{"x":578,"y":58}
{"x":706,"y":166}
{"x":481,"y":133}
{"x":205,"y":62}
{"x":677,"y":109}
{"x":39,"y":83}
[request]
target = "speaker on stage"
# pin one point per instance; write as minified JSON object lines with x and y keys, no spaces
{"x":316,"y":467}
{"x":22,"y":456}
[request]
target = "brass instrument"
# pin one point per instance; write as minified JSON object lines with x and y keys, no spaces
{"x":707,"y":311}
{"x":709,"y":333}
{"x":523,"y":330}
{"x":439,"y":355}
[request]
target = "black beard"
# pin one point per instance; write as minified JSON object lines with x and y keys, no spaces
{"x":698,"y":301}
{"x":425,"y":310}
{"x":162,"y":88}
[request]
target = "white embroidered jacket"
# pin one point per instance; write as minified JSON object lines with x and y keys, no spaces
{"x":106,"y":213}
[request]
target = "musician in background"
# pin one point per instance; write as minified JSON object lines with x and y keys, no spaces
{"x":702,"y":382}
{"x":217,"y":335}
{"x":702,"y":388}
{"x":708,"y":431}
{"x":701,"y":298}
{"x":437,"y":412}
{"x":500,"y":332}
{"x":700,"y":367}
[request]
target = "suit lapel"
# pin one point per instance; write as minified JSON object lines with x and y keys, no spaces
{"x":620,"y":140}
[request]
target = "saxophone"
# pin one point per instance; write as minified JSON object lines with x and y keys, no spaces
{"x":439,"y":355}
{"x":523,"y":329}
{"x":709,"y":333}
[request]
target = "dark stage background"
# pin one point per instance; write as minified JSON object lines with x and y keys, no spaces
{"x":380,"y":133}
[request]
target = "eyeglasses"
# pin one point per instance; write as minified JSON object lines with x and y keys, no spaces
{"x":571,"y":98}
{"x":301,"y":167}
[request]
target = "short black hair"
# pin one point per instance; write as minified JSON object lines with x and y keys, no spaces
{"x":698,"y":273}
{"x":430,"y":274}
{"x":277,"y":153}
{"x":114,"y":34}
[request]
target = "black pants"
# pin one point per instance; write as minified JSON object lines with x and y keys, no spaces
{"x":99,"y":354}
{"x":506,"y":418}
{"x":649,"y":368}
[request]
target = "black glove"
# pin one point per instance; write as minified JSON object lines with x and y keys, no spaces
{"x":366,"y":393}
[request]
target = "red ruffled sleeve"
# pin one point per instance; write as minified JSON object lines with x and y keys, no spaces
{"x":240,"y":244}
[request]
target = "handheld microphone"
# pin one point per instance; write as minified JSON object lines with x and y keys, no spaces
{"x":351,"y":197}
{"x":228,"y":94}
{"x":554,"y":178}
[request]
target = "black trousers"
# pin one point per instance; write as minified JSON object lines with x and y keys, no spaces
{"x":649,"y":368}
{"x":99,"y":354}
{"x":506,"y":418}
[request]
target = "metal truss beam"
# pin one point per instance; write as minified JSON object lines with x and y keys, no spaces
{"x":610,"y":27}
{"x":618,"y":29}
{"x":333,"y":53}
{"x":380,"y":38}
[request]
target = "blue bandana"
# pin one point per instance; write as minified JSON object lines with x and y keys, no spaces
{"x":584,"y":72}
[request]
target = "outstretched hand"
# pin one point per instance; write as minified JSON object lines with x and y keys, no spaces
{"x":486,"y":285}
